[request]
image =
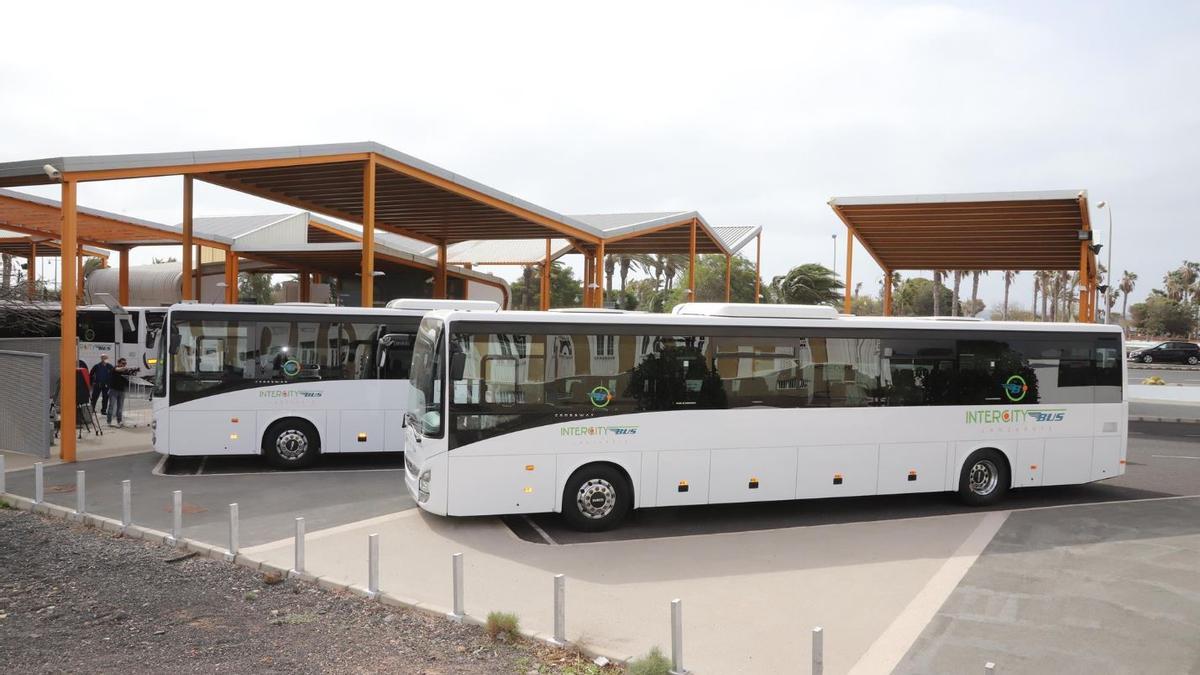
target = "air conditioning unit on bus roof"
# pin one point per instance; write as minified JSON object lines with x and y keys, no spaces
{"x":755,"y":311}
{"x":428,"y":305}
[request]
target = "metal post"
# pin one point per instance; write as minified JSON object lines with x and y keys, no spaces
{"x":80,"y":497}
{"x":233,"y":532}
{"x":126,"y":504}
{"x":38,"y":492}
{"x":989,"y":668}
{"x":3,"y":487}
{"x":372,"y":566}
{"x":177,"y":516}
{"x":560,"y":609}
{"x":818,"y":651}
{"x":299,"y":566}
{"x":677,"y":638}
{"x":456,"y":562}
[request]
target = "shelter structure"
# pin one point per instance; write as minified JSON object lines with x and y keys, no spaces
{"x":1045,"y":230}
{"x":35,"y":247}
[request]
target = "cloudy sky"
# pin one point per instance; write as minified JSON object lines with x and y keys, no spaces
{"x":751,"y":113}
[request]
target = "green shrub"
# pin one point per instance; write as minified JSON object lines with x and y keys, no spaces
{"x":502,"y":623}
{"x":653,"y":663}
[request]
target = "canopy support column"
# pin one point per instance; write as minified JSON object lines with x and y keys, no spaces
{"x":887,"y":292}
{"x":846,"y":306}
{"x":439,"y":279}
{"x":691,"y":263}
{"x":758,"y":268}
{"x":186,"y":259}
{"x":123,"y":278}
{"x":728,"y":275}
{"x":31,"y":276}
{"x":599,"y":299}
{"x":545,"y":304}
{"x":231,"y":278}
{"x":305,"y":289}
{"x":367,"y":292}
{"x":67,"y":356}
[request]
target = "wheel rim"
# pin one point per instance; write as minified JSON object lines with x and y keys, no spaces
{"x":1147,"y":359}
{"x":1192,"y":360}
{"x":291,"y":444}
{"x":596,"y":498}
{"x":984,"y":478}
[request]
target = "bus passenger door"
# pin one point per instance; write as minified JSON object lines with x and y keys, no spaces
{"x":394,"y":358}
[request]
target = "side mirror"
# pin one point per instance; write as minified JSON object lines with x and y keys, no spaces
{"x":458,"y":363}
{"x":175,"y":339}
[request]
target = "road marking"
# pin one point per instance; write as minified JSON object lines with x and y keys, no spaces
{"x":885,"y":653}
{"x":329,"y":531}
{"x":1176,"y":456}
{"x":539,"y":530}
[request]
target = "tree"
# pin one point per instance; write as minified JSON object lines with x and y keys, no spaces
{"x":954,"y":305}
{"x":565,"y":289}
{"x":6,"y":280}
{"x":1008,"y":279}
{"x":256,"y":286}
{"x":710,"y":279}
{"x":936,"y":292}
{"x":1128,"y":281}
{"x":626,"y":262}
{"x":1163,"y":316}
{"x":976,"y":305}
{"x":916,"y":297}
{"x":808,"y":284}
{"x":160,"y":261}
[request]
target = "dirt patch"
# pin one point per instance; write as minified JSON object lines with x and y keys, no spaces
{"x":74,"y":599}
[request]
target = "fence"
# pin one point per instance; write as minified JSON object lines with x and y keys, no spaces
{"x":25,"y":403}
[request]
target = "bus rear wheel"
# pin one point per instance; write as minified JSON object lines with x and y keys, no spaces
{"x":984,"y":479}
{"x":291,"y":444}
{"x":596,"y":497}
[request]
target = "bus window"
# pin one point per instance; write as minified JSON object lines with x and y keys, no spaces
{"x":154,"y":322}
{"x":396,"y":356}
{"x":129,"y":329}
{"x":96,"y":326}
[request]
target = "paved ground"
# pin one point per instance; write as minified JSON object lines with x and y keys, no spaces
{"x":1188,"y":376}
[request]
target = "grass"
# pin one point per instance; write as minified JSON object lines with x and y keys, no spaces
{"x":5,"y":505}
{"x":502,"y":623}
{"x":653,"y":663}
{"x":250,"y":596}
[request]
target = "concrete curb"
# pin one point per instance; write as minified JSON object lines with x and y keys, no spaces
{"x":1161,"y":366}
{"x":1173,"y":420}
{"x":219,"y":554}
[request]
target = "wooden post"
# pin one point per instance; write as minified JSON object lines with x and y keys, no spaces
{"x":887,"y":292}
{"x":545,"y":304}
{"x":305,"y":291}
{"x":368,"y":238}
{"x":692,"y":263}
{"x":758,"y":268}
{"x":846,"y":306}
{"x":728,"y":275}
{"x":123,"y":278}
{"x":68,"y":243}
{"x":186,"y":259}
{"x":587,"y":278}
{"x":231,"y":281}
{"x":600,"y":274}
{"x":439,"y":277}
{"x":31,"y":273}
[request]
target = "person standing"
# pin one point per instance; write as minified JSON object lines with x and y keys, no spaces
{"x":102,"y":374}
{"x":118,"y":385}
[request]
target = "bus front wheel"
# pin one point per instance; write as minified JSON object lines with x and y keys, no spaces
{"x":291,"y":444}
{"x":984,"y":479}
{"x":597,"y":497}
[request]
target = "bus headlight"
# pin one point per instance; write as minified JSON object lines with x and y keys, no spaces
{"x":423,"y":486}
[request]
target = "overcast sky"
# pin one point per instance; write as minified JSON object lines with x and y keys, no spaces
{"x":749,"y":113}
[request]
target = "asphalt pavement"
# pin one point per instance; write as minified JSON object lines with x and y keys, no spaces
{"x":1187,"y":376}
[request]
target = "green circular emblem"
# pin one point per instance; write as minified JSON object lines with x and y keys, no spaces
{"x":291,"y":367}
{"x":600,"y":397}
{"x":1015,"y":388}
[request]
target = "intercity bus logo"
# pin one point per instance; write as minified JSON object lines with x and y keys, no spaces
{"x":1015,"y":416}
{"x":588,"y":430}
{"x":291,"y":367}
{"x":600,"y":397}
{"x":1015,"y":388}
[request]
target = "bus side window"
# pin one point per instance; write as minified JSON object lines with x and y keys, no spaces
{"x":396,"y":356}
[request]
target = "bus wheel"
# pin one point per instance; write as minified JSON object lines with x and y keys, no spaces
{"x":985,"y":478}
{"x":597,"y":497}
{"x":291,"y":444}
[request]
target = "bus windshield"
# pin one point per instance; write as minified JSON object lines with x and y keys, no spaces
{"x":425,"y":378}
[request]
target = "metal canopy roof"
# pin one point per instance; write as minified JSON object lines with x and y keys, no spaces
{"x":509,"y":252}
{"x":412,"y":197}
{"x":973,"y":231}
{"x":21,"y":246}
{"x":735,"y":237}
{"x":659,"y":232}
{"x":28,"y":214}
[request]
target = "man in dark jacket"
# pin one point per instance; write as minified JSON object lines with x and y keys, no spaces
{"x":117,"y":388}
{"x":101,"y":378}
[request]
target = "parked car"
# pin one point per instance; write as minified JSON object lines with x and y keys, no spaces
{"x":1168,"y":352}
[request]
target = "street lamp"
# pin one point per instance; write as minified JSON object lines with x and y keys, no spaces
{"x":835,"y":254}
{"x":1108,"y":277}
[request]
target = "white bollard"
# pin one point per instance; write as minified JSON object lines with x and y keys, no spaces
{"x":126,"y":504}
{"x":677,"y":638}
{"x":299,"y":564}
{"x":818,"y":651}
{"x":3,"y":487}
{"x":80,"y":496}
{"x":456,"y":564}
{"x":989,"y":668}
{"x":176,"y":517}
{"x":372,"y":566}
{"x":233,"y":533}
{"x":38,"y":488}
{"x":560,"y":609}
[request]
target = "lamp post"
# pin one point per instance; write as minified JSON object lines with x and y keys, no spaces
{"x":1109,"y":273}
{"x":835,"y":254}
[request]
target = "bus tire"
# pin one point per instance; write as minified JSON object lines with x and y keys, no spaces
{"x":596,"y":497}
{"x":985,"y":478}
{"x":291,"y":443}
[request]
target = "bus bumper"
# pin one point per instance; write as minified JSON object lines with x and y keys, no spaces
{"x":426,"y":482}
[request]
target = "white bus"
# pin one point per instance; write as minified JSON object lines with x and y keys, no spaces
{"x":128,"y":333}
{"x":290,"y":381}
{"x":594,"y":414}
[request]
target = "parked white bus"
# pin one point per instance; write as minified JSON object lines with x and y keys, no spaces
{"x":130,"y":335}
{"x":288,"y":381}
{"x":594,"y":414}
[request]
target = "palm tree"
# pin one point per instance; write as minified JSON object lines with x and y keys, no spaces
{"x":1128,"y":281}
{"x":627,"y":262}
{"x":937,"y":291}
{"x":809,"y":284}
{"x":975,"y":290}
{"x":1045,"y":282}
{"x":1009,"y":275}
{"x":954,"y":297}
{"x":610,"y":267}
{"x":659,"y":263}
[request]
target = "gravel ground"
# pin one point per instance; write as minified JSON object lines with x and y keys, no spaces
{"x":74,"y":599}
